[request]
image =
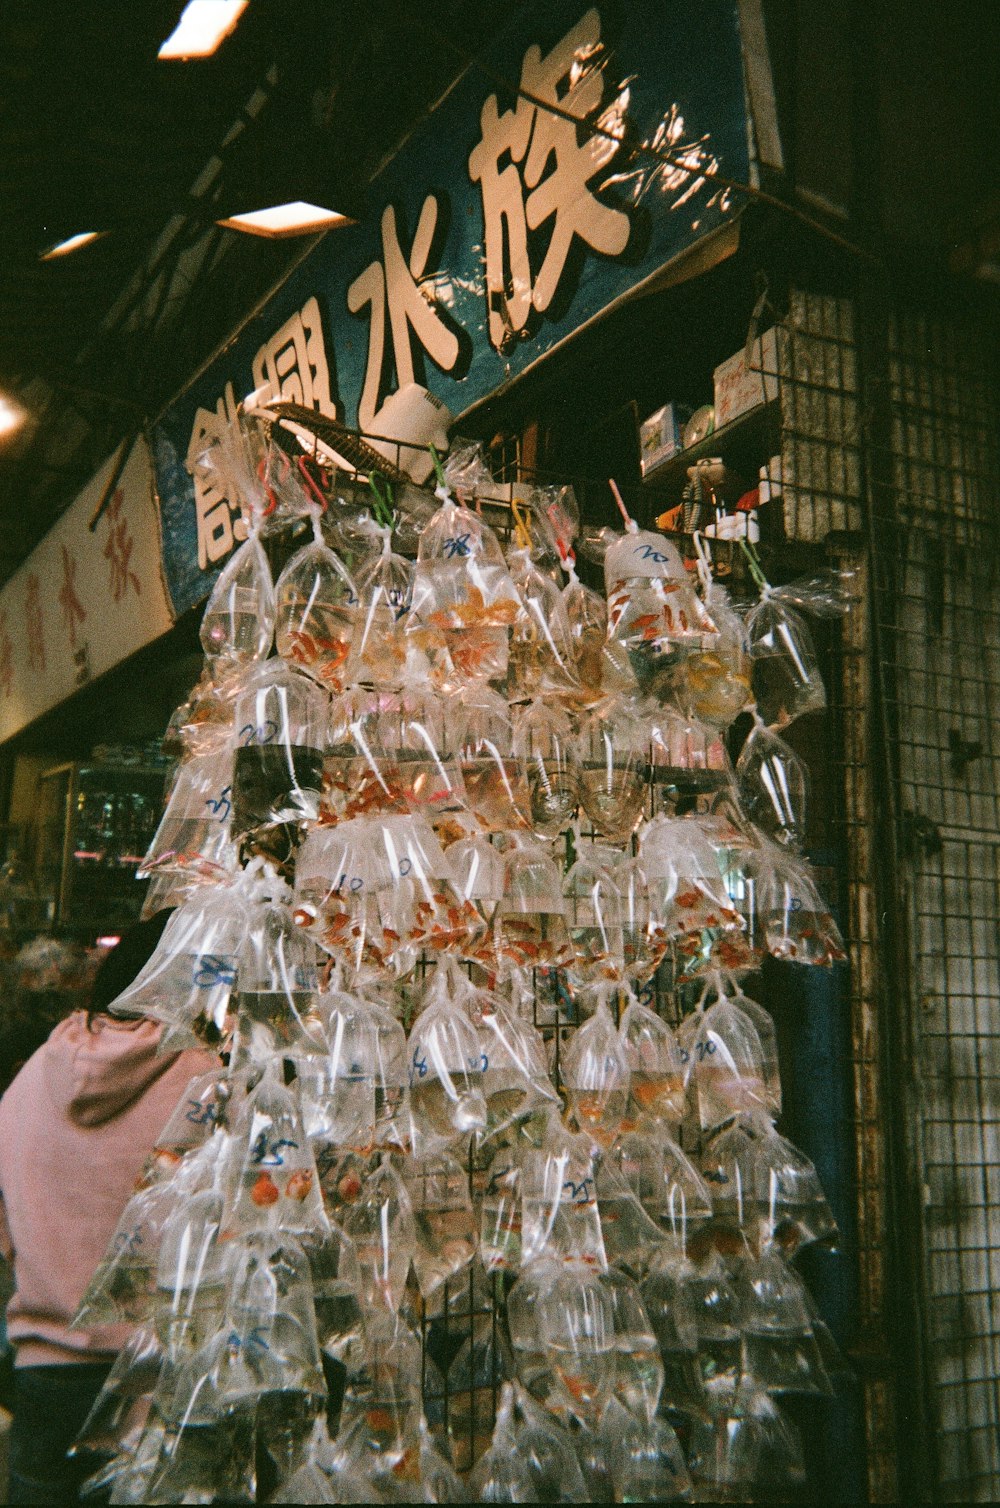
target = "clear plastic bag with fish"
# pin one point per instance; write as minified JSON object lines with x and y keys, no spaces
{"x":688,"y":903}
{"x":545,"y":744}
{"x":493,"y":777}
{"x":595,"y":1075}
{"x":727,"y":988}
{"x":281,"y":720}
{"x":335,"y":1281}
{"x":123,"y":1287}
{"x":271,"y":1181}
{"x":773,"y":786}
{"x":577,"y":1329}
{"x":594,"y":914}
{"x":204,"y":721}
{"x":237,"y":627}
{"x":530,"y":1458}
{"x":447,"y":1065}
{"x":712,"y":684}
{"x":630,"y":1235}
{"x":667,"y":1184}
{"x":338,"y":1090}
{"x":542,"y":654}
{"x":728,"y":1069}
{"x":747,"y":1447}
{"x":477,"y":876}
{"x":781,"y":1351}
{"x":717,"y":1318}
{"x":195,"y":838}
{"x":639,"y":1370}
{"x":794,"y":1211}
{"x":654,"y":611}
{"x":683,"y":756}
{"x":515,"y":1076}
{"x":586,"y":614}
{"x":559,"y":1210}
{"x":188,"y":981}
{"x":669,"y":1303}
{"x":120,"y":1411}
{"x":461,"y":656}
{"x":735,"y":843}
{"x":656,"y":1074}
{"x":413,"y":730}
{"x":203,"y":1454}
{"x":530,"y":1361}
{"x":445,"y":1225}
{"x":192,"y":1275}
{"x":360,"y":778}
{"x":378,"y":1422}
{"x":316,"y":605}
{"x":428,"y":913}
{"x":794,"y":921}
{"x":500,"y":1475}
{"x":384,"y":590}
{"x":380,"y":1224}
{"x":344,"y":897}
{"x":784,"y":671}
{"x":277,"y":984}
{"x":530,"y":924}
{"x":649,"y":1464}
{"x":727,"y":1167}
{"x":474,"y":1379}
{"x":270,"y":1343}
{"x":613,"y":747}
{"x":500,"y":1213}
{"x":643,"y":951}
{"x":375,"y":1040}
{"x":210,"y":1103}
{"x":461,"y":580}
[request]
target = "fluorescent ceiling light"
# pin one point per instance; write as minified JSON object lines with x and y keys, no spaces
{"x":294,"y":219}
{"x":12,"y":415}
{"x":71,"y":243}
{"x":204,"y":25}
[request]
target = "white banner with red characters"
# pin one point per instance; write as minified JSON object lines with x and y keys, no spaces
{"x":84,"y":600}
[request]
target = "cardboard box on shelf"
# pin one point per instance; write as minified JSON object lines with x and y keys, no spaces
{"x":741,"y":385}
{"x":660,"y":435}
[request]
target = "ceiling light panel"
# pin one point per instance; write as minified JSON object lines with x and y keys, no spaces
{"x":71,"y":244}
{"x":203,"y":27}
{"x":294,"y":219}
{"x":12,"y":415}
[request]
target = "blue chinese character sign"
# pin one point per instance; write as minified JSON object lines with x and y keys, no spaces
{"x":500,"y":229}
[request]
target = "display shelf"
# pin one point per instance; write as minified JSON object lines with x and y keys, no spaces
{"x":745,"y":445}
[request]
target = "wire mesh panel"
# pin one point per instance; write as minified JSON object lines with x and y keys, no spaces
{"x":943,"y":618}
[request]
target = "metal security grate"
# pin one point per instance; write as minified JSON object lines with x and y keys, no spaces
{"x":940,"y":613}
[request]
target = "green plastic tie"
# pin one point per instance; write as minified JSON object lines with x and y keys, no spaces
{"x":381,"y":509}
{"x":753,"y":562}
{"x":438,"y":468}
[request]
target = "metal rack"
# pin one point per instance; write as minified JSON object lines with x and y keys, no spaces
{"x":470,"y":1311}
{"x":934,"y":498}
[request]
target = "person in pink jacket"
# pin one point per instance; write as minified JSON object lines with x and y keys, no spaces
{"x":76,"y":1126}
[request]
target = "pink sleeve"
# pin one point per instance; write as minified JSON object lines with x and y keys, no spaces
{"x":6,"y":1245}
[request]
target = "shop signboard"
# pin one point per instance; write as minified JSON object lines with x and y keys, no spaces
{"x":497,"y":231}
{"x":84,"y":599}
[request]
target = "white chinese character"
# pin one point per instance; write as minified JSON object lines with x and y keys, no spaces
{"x":218,"y":530}
{"x":543,"y":144}
{"x":293,"y":364}
{"x":403,"y":286}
